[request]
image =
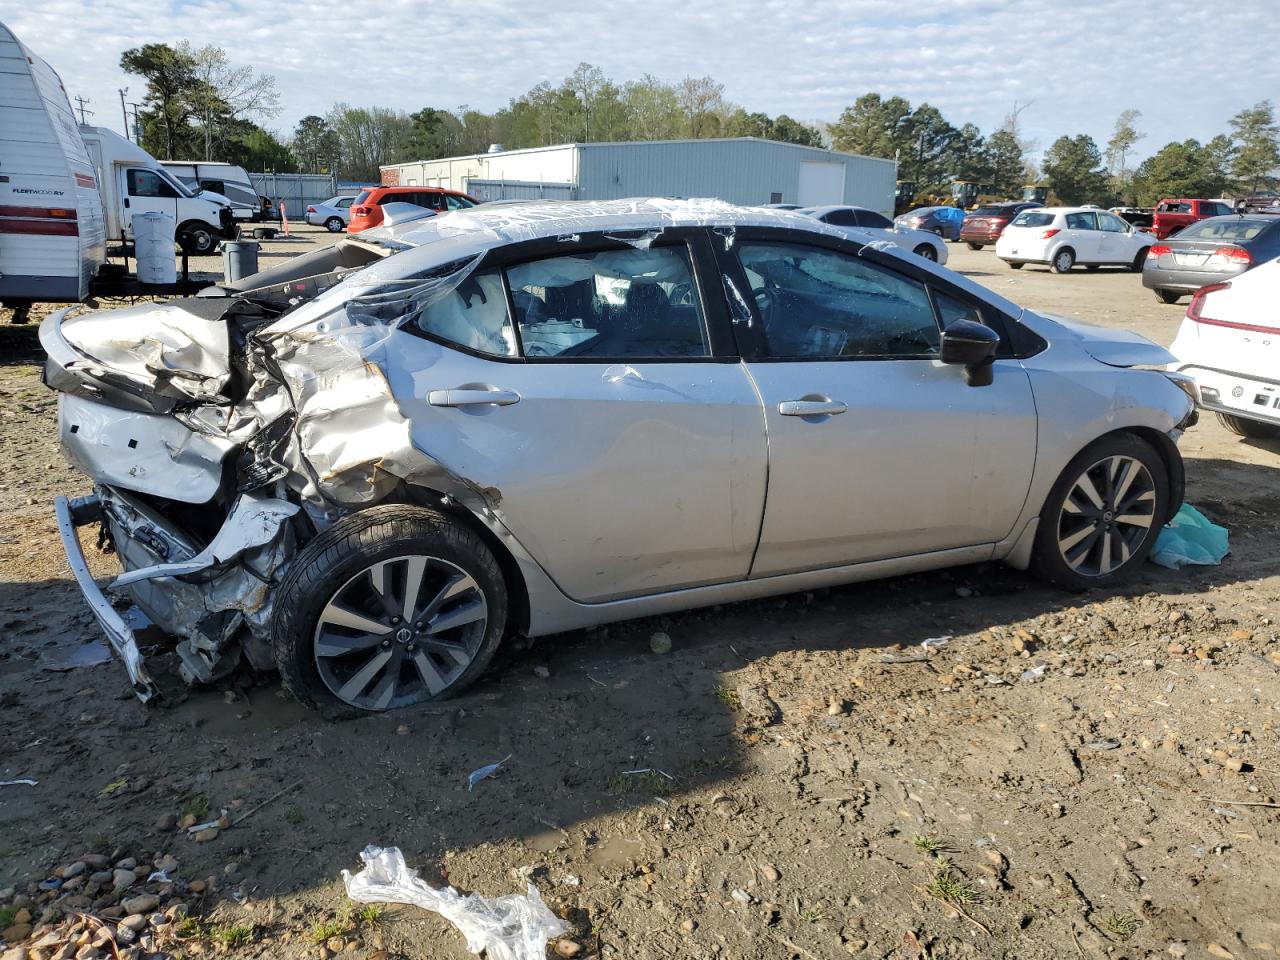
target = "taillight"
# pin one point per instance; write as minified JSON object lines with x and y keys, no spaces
{"x":360,"y":211}
{"x":1159,"y":250}
{"x":311,"y":209}
{"x":1195,"y":309}
{"x":1234,"y":254}
{"x":1050,"y":233}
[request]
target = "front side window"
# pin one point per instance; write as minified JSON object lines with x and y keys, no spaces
{"x":147,"y":183}
{"x":869,"y":218}
{"x":611,"y":304}
{"x":473,"y":315}
{"x":1081,"y":221}
{"x":343,"y":204}
{"x":1111,"y":223}
{"x":815,"y":302}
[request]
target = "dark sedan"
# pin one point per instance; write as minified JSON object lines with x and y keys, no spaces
{"x":984,"y":225}
{"x":1209,"y":251}
{"x":942,"y":221}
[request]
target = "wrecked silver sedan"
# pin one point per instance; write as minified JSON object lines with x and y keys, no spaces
{"x":366,"y":466}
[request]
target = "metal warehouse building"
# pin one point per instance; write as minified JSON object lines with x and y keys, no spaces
{"x":743,"y":170}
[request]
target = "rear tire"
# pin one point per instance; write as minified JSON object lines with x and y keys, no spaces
{"x":1063,"y":260}
{"x":1014,"y":266}
{"x":334,"y":225}
{"x":1253,"y":429}
{"x":974,"y":246}
{"x":1101,"y":518}
{"x":927,"y":251}
{"x":1168,"y":296}
{"x":368,"y":569}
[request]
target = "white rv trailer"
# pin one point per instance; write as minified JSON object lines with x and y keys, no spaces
{"x":52,"y":229}
{"x":225,"y":179}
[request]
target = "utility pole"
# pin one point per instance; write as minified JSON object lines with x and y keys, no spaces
{"x":124,"y":111}
{"x":81,"y":106}
{"x":137,"y":126}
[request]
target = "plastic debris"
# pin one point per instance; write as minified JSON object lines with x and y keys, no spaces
{"x":1102,"y":745}
{"x":935,"y":642}
{"x":18,"y":783}
{"x":1190,"y":538}
{"x":1033,"y":674}
{"x":512,"y":927}
{"x":484,"y":773}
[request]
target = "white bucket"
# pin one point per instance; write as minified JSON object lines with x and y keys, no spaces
{"x":153,"y":247}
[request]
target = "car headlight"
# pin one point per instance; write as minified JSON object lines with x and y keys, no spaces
{"x":1184,"y":383}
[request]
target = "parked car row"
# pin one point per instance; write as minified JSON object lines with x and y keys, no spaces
{"x":922,"y":243}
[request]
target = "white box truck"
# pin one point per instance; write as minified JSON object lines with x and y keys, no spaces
{"x":52,"y":231}
{"x":225,"y":179}
{"x":132,"y":181}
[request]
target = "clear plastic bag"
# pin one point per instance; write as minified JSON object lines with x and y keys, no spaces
{"x":512,"y":927}
{"x":1190,"y":538}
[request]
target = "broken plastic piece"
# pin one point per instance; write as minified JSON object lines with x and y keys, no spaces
{"x":1034,"y":673}
{"x":935,"y":642}
{"x":1190,"y":538}
{"x":484,"y":773}
{"x":18,"y":783}
{"x":512,"y":927}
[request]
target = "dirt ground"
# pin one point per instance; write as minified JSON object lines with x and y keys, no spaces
{"x":818,"y":784}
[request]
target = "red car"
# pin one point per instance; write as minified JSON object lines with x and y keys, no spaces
{"x":1174,"y":215}
{"x":366,"y":209}
{"x":985,"y":224}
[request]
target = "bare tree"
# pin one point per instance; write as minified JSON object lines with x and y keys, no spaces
{"x":225,"y":93}
{"x":700,"y":98}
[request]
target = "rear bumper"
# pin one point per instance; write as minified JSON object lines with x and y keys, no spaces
{"x":79,"y":512}
{"x":1188,"y":281}
{"x":1236,"y":394}
{"x":968,"y":235}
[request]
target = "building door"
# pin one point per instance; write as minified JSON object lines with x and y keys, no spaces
{"x":821,"y":182}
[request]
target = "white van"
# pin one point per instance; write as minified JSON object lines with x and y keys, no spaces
{"x":225,"y":179}
{"x":132,"y":181}
{"x":52,"y":234}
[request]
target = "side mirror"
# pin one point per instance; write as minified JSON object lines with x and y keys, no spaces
{"x":973,"y":346}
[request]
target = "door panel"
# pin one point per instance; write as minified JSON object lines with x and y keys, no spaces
{"x":145,"y":192}
{"x":1083,"y":237}
{"x":619,"y":478}
{"x":919,"y":461}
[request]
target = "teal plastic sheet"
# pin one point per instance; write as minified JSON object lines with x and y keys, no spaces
{"x":1190,"y":538}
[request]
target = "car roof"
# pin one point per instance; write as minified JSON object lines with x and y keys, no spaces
{"x":413,"y":188}
{"x":831,"y":208}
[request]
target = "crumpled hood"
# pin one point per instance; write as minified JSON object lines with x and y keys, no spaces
{"x":1116,"y":348}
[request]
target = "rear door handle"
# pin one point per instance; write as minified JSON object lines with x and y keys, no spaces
{"x":812,"y":408}
{"x":472,"y":398}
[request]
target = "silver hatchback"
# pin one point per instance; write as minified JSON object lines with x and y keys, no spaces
{"x":368,"y":465}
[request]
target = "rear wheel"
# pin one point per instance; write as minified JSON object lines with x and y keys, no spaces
{"x":334,"y":224}
{"x":1101,"y":518}
{"x":196,"y":238}
{"x":926,"y":251}
{"x":1015,"y":266}
{"x":1253,"y":429}
{"x":974,"y":246}
{"x":1063,"y":260}
{"x":392,"y":606}
{"x":1168,"y":296}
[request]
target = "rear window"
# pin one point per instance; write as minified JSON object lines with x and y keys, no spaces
{"x":1234,"y":229}
{"x":990,"y":211}
{"x":1032,"y":218}
{"x":362,"y":196}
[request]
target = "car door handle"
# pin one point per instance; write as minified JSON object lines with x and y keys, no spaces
{"x":472,"y":398}
{"x":812,"y":408}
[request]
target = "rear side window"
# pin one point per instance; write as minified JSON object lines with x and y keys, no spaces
{"x":611,"y":304}
{"x":457,"y":203}
{"x":1032,"y":218}
{"x":819,"y":303}
{"x":1081,"y":221}
{"x":841,"y":218}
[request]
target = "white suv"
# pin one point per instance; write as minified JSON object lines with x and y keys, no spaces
{"x":1065,"y":236}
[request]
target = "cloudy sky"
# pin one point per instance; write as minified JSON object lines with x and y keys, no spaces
{"x":1078,"y":62}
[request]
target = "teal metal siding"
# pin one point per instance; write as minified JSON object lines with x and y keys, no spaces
{"x":744,"y":171}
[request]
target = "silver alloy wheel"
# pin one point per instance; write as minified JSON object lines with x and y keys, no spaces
{"x":334,"y":225}
{"x":1107,"y":513}
{"x":201,"y":240}
{"x":1064,"y":261}
{"x":399,"y":632}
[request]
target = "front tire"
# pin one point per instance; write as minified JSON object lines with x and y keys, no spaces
{"x":1014,"y":265}
{"x":1063,"y":260}
{"x":1168,"y":296}
{"x":927,"y":251}
{"x":391,"y":606}
{"x":1253,"y":429}
{"x":1139,"y":260}
{"x":334,"y":225}
{"x":197,"y":239}
{"x":1102,"y":515}
{"x":974,"y":246}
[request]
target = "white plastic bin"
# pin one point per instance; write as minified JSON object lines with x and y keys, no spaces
{"x":153,"y":247}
